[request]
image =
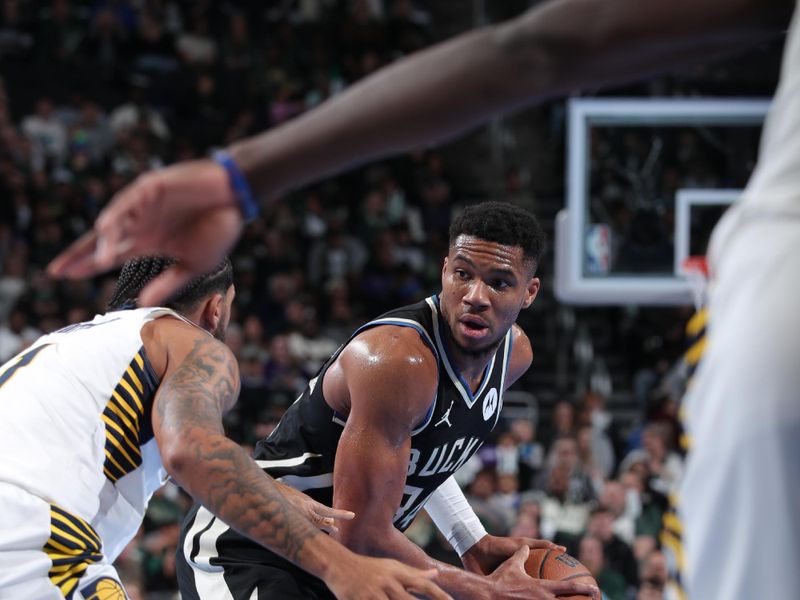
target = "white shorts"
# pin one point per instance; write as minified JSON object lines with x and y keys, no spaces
{"x":47,"y":553}
{"x":740,"y":496}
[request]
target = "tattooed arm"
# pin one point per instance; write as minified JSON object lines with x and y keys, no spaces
{"x":200,"y":382}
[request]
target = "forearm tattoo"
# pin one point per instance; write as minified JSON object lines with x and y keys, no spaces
{"x":218,"y":472}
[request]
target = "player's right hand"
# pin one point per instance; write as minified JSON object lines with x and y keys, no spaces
{"x":365,"y":578}
{"x":324,"y":517}
{"x":186,"y":211}
{"x":511,"y":582}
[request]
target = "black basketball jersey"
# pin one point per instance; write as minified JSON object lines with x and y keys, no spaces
{"x":302,"y":449}
{"x":301,"y":452}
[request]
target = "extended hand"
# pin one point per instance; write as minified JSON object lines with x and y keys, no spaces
{"x":490,"y":551}
{"x":511,"y":582}
{"x":322,"y":516}
{"x":186,"y":211}
{"x":382,"y":579}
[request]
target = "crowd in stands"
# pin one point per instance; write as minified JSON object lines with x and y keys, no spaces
{"x":94,"y":93}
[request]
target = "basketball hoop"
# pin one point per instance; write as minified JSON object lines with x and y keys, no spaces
{"x":695,"y":270}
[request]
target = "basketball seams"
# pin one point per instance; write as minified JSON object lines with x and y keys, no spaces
{"x":576,"y":575}
{"x":542,"y":563}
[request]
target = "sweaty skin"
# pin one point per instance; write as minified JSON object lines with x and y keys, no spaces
{"x":385,"y":380}
{"x":199,"y":383}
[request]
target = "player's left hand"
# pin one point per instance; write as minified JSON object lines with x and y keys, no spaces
{"x":491,"y":551}
{"x":186,"y":211}
{"x":322,"y":516}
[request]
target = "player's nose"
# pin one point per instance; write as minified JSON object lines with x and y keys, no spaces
{"x":477,"y":296}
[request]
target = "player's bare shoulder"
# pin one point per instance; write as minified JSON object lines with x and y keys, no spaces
{"x":521,"y":354}
{"x":384,"y":361}
{"x":171,"y":342}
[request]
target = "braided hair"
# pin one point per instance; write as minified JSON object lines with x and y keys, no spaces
{"x":138,"y":272}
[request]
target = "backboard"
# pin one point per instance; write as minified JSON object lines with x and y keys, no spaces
{"x":646,"y":181}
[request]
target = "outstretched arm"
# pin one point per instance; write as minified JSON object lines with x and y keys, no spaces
{"x":551,"y":50}
{"x":190,"y":210}
{"x":201,"y":382}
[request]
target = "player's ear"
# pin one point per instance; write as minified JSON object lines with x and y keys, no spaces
{"x":531,"y":291}
{"x":213,"y":312}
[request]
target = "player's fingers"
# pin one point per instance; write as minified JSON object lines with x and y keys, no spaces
{"x":334,"y":513}
{"x":77,"y":260}
{"x":544,"y":545}
{"x":428,"y":589}
{"x":112,"y":251}
{"x":570,"y":588}
{"x":325,"y":524}
{"x":520,"y":556}
{"x":163,"y":286}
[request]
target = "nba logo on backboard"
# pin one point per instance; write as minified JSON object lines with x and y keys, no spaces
{"x":598,"y":249}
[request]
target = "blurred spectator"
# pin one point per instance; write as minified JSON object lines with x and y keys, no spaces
{"x":196,"y":46}
{"x":137,"y":113}
{"x":153,"y":47}
{"x":564,"y":516}
{"x":16,"y":334}
{"x":480,"y":494}
{"x":13,"y":282}
{"x":337,"y":256}
{"x":624,"y":508}
{"x":46,"y":134}
{"x":531,"y":452}
{"x":653,"y":577}
{"x":161,"y":534}
{"x":60,"y":31}
{"x":91,"y":134}
{"x":611,"y":583}
{"x":16,"y":36}
{"x":618,"y":554}
{"x":648,"y":523}
{"x":564,"y":456}
{"x":106,"y":43}
{"x":308,"y":345}
{"x":527,"y":521}
{"x":282,"y":373}
{"x":562,"y":423}
{"x":664,"y":465}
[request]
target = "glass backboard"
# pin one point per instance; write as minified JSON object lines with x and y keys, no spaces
{"x":646,"y":181}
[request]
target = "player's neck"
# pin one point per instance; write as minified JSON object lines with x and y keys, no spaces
{"x":470,"y":364}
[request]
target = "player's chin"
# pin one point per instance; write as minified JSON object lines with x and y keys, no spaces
{"x":475,"y":347}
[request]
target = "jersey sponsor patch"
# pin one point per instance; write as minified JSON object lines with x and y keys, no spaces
{"x":490,"y":403}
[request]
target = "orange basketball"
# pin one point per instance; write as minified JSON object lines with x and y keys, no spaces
{"x":557,"y":566}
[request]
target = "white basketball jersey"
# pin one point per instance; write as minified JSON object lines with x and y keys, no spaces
{"x":76,"y":423}
{"x":776,"y":179}
{"x":774,"y":187}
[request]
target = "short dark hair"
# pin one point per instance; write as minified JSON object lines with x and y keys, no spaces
{"x":502,"y":223}
{"x":137,"y":272}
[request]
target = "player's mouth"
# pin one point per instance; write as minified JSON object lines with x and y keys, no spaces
{"x":473,"y":327}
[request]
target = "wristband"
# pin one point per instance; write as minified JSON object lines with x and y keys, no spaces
{"x":241,"y":189}
{"x":453,"y":516}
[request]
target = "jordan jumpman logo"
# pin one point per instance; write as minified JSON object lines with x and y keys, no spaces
{"x":446,"y":417}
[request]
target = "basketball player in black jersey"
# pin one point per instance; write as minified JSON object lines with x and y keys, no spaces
{"x":389,"y":418}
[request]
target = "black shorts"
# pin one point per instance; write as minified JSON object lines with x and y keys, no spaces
{"x":216,"y":563}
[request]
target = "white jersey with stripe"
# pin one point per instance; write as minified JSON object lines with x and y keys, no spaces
{"x":76,"y":426}
{"x":773,"y":190}
{"x":741,"y":484}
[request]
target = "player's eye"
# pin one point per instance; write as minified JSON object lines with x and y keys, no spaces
{"x":500,"y":284}
{"x":462,"y":274}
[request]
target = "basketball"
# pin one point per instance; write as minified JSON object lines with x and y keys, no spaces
{"x":557,"y":566}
